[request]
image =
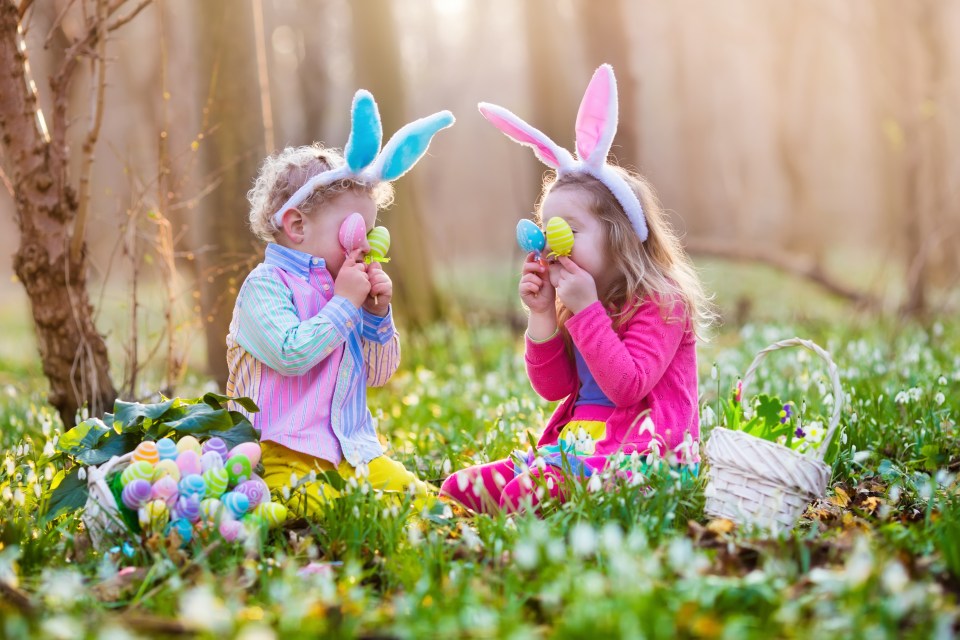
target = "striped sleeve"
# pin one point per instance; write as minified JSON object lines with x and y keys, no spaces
{"x":381,"y":360}
{"x":377,"y":328}
{"x":269,"y":329}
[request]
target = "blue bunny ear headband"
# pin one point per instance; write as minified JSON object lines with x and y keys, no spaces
{"x":365,"y":162}
{"x":596,"y":126}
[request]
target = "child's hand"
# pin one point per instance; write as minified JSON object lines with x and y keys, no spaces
{"x":381,"y":290}
{"x":352,"y":281}
{"x":577,"y":288}
{"x":536,"y":292}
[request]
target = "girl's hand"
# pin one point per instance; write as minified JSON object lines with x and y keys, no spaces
{"x":352,"y":281}
{"x":577,"y":288}
{"x":381,"y":290}
{"x":536,"y":292}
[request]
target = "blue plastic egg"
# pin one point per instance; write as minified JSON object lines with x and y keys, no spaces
{"x":530,"y":237}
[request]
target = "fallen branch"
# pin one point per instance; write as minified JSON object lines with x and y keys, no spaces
{"x":796,"y":265}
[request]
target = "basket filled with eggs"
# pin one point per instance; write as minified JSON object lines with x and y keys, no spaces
{"x":179,"y":467}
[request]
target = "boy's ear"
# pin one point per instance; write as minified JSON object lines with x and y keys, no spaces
{"x":292,"y":224}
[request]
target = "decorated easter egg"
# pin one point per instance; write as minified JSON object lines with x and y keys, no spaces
{"x":210,"y":460}
{"x":559,"y":237}
{"x":187,"y":508}
{"x":530,"y":237}
{"x":216,"y":445}
{"x":165,"y":489}
{"x":189,"y":462}
{"x":238,"y":467}
{"x":193,"y":485}
{"x":232,"y":530}
{"x":147,"y":451}
{"x":236,"y":502}
{"x":154,"y":515}
{"x":217,"y":481}
{"x":273,"y":513}
{"x":249,"y":449}
{"x":379,"y":240}
{"x":255,"y":490}
{"x":166,"y":467}
{"x":352,"y":232}
{"x":213,"y":510}
{"x":136,"y":494}
{"x":189,"y":443}
{"x":167,"y":449}
{"x":182,"y":528}
{"x":139,"y":469}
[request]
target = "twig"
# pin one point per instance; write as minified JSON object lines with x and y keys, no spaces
{"x":86,"y":163}
{"x":119,"y":22}
{"x":800,"y":266}
{"x":22,"y":11}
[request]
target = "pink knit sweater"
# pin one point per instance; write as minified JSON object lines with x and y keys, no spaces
{"x":649,"y":363}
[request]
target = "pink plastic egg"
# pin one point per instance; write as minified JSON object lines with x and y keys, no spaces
{"x":249,"y":449}
{"x":165,"y":489}
{"x":189,"y":463}
{"x":353,"y":232}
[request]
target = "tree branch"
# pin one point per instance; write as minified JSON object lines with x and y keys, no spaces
{"x":122,"y":20}
{"x":22,"y":11}
{"x":796,"y":265}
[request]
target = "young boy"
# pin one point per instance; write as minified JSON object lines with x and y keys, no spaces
{"x":313,"y":326}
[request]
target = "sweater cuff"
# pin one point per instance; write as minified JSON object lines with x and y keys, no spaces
{"x":538,"y":353}
{"x":587,"y":317}
{"x":342,"y":315}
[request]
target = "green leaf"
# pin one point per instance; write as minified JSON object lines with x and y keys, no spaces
{"x":219,"y":401}
{"x":116,"y":444}
{"x":130,"y":413}
{"x":768,"y":410}
{"x":83,"y":437}
{"x":243,"y":432}
{"x":69,"y":494}
{"x":201,"y":418}
{"x":332,"y":478}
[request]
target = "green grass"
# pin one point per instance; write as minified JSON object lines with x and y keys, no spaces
{"x":878,"y":558}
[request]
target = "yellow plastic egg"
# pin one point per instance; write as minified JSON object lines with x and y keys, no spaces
{"x":559,"y":237}
{"x":189,"y":443}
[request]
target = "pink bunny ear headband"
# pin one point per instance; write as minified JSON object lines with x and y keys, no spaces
{"x":365,"y":162}
{"x":596,"y":127}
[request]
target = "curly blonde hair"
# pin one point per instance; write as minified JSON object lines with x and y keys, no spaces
{"x":658,"y":268}
{"x":282,"y":173}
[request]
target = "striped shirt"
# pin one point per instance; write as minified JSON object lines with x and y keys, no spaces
{"x":305,"y":356}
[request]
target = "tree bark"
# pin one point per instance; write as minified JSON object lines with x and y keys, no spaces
{"x":378,"y":68}
{"x":73,"y":353}
{"x":234,"y":149}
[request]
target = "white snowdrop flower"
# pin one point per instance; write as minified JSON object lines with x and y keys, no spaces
{"x":352,"y":483}
{"x":312,"y":476}
{"x":550,"y":484}
{"x":525,"y":554}
{"x":854,"y":418}
{"x":894,"y":577}
{"x":356,"y":511}
{"x":708,"y":417}
{"x":395,"y":511}
{"x":556,"y":549}
{"x":611,"y":537}
{"x":201,"y":608}
{"x":939,"y":398}
{"x":470,"y":537}
{"x":937,"y":329}
{"x":713,"y":372}
{"x":859,"y":564}
{"x":941,"y":381}
{"x":19,"y":450}
{"x":285,"y":492}
{"x":365,"y":488}
{"x":362,"y":470}
{"x":61,"y":627}
{"x":414,"y":535}
{"x":680,"y":554}
{"x":595,"y":483}
{"x":385,"y":514}
{"x":82,"y":473}
{"x":9,"y":466}
{"x":48,"y":449}
{"x":583,"y":539}
{"x":526,"y":483}
{"x":48,"y":473}
{"x":828,"y":399}
{"x":447,"y":512}
{"x":36,"y":491}
{"x":62,"y":587}
{"x":539,"y":493}
{"x":6,"y":494}
{"x":293,"y":479}
{"x":540,"y":463}
{"x":445,"y":467}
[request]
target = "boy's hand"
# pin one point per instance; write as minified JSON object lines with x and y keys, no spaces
{"x":536,"y":291}
{"x":577,"y":288}
{"x":352,"y":281}
{"x":381,"y":290}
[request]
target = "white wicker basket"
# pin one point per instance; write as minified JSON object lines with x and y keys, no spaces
{"x":101,"y":515}
{"x":758,"y":482}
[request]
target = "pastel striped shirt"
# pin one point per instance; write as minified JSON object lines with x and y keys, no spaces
{"x":306,"y":356}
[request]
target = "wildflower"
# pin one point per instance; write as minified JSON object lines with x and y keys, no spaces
{"x":583,"y":539}
{"x":594,"y":484}
{"x":713,"y":372}
{"x":785,"y":414}
{"x":525,"y":554}
{"x":738,"y":394}
{"x":414,"y":535}
{"x":799,"y":433}
{"x":939,"y":398}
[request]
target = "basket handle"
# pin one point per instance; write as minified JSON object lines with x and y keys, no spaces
{"x":821,"y":449}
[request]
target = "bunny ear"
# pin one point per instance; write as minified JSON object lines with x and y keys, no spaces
{"x":546,"y":150}
{"x":597,"y":117}
{"x":408,"y":145}
{"x":366,"y":132}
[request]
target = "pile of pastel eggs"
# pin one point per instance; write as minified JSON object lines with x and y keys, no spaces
{"x":186,"y":485}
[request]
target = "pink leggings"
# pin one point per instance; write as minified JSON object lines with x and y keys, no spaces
{"x":499,"y":490}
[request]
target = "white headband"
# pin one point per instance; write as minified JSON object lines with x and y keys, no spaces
{"x":595,"y":129}
{"x":364,"y":161}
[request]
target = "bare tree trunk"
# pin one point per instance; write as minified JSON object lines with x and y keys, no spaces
{"x":606,"y":39}
{"x":51,"y":261}
{"x":228,"y":69}
{"x":378,"y":68}
{"x":553,"y":111}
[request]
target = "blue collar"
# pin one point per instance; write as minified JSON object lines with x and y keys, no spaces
{"x":291,"y":260}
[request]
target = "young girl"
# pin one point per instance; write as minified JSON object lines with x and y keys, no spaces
{"x":612,"y":327}
{"x":313,"y":324}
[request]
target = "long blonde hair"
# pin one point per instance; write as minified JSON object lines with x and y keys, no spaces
{"x":658,"y":268}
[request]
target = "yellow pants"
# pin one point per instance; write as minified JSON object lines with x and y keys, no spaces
{"x":385,"y":475}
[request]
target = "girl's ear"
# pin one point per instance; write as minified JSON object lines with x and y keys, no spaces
{"x":546,"y":150}
{"x":366,"y":131}
{"x":597,"y":118}
{"x":408,"y":145}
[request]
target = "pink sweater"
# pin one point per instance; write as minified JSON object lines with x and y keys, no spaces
{"x":648,"y":363}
